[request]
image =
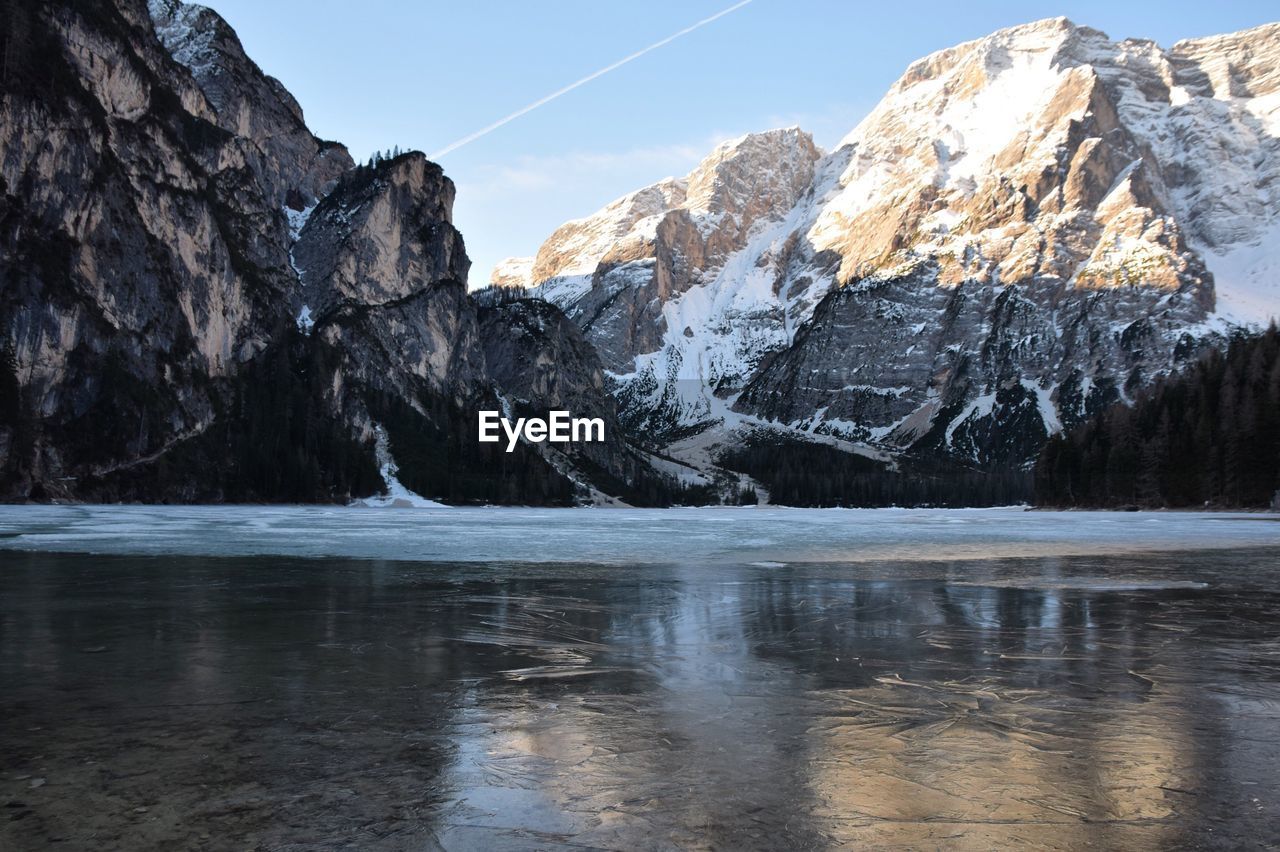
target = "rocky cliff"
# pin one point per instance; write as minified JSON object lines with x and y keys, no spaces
{"x":655,"y":276}
{"x":384,"y":274}
{"x":542,"y":362}
{"x":295,"y":167}
{"x":200,"y":300}
{"x":143,"y":259}
{"x":1026,"y":228}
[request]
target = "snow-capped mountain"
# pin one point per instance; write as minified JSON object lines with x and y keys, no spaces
{"x":677,"y":281}
{"x":200,"y":300}
{"x":1027,"y":227}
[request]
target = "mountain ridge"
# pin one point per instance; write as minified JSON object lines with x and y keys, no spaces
{"x":201,"y":301}
{"x":1033,"y":220}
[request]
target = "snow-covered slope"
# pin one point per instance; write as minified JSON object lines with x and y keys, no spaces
{"x":668,"y":282}
{"x":989,"y":122}
{"x":1028,"y":226}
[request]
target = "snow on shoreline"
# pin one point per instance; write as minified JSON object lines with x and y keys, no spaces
{"x":397,"y":496}
{"x":694,"y":537}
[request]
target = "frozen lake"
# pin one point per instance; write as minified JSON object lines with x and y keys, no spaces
{"x":302,"y":678}
{"x":620,"y":536}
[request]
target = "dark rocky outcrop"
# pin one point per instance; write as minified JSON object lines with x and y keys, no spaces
{"x":201,"y":301}
{"x":295,"y":167}
{"x":542,"y":362}
{"x":1000,"y":365}
{"x":143,"y":261}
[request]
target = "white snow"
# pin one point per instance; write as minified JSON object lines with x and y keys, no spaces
{"x":930,"y":129}
{"x":673,"y":537}
{"x":396,"y":496}
{"x":1209,"y":153}
{"x":1247,"y":278}
{"x":1044,"y":402}
{"x":979,"y":408}
{"x":175,"y":25}
{"x":877,"y":390}
{"x":563,"y":289}
{"x":686,"y":474}
{"x":297,"y":218}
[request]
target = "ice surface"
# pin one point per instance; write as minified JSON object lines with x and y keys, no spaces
{"x":1067,"y":703}
{"x":621,"y":536}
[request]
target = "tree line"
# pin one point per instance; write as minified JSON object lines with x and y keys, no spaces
{"x":803,"y":473}
{"x":1208,"y":436}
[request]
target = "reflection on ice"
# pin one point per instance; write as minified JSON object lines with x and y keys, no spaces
{"x":1114,"y":702}
{"x":1098,"y":584}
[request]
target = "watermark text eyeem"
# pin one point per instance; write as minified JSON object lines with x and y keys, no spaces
{"x":559,"y":427}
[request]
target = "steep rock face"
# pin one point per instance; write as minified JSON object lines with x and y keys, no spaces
{"x":380,"y":235}
{"x":1006,"y":158}
{"x":200,"y":301}
{"x":541,"y":361}
{"x":647,"y":272}
{"x":1046,"y":163}
{"x":978,"y":371}
{"x":540,"y":358}
{"x":1026,"y":225}
{"x":118,"y":183}
{"x":383,"y":272}
{"x":294,"y":166}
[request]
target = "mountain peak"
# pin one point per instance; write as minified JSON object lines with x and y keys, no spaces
{"x":772,"y":167}
{"x":299,"y":167}
{"x":1005,"y":196}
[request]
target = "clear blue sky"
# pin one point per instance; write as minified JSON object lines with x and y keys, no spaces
{"x":422,"y":74}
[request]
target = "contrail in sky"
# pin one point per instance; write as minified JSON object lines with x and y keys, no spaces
{"x":587,"y":79}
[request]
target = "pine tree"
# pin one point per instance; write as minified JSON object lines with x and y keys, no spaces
{"x":10,"y":389}
{"x":1208,"y":435}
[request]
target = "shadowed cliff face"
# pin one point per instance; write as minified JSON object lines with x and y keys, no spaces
{"x":143,"y":248}
{"x":383,"y":272}
{"x":974,"y":371}
{"x":542,"y":362}
{"x":293,"y":166}
{"x":382,"y":269}
{"x":383,"y":233}
{"x":200,"y":300}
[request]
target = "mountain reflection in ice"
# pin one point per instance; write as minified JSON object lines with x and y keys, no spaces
{"x":1119,"y":701}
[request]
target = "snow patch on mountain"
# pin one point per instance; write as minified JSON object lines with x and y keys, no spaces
{"x":1247,"y":278}
{"x":178,"y":26}
{"x":396,"y":496}
{"x":1043,"y":210}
